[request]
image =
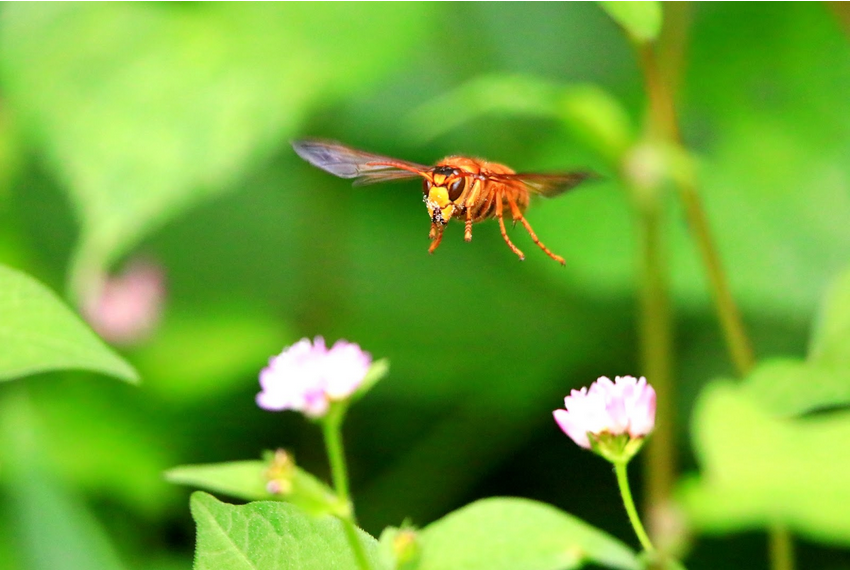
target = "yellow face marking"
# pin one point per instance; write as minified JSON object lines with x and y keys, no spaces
{"x":438,"y":196}
{"x":439,"y":206}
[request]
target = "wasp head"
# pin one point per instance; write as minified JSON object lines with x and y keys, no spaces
{"x":445,"y":186}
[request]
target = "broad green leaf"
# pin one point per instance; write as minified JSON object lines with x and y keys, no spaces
{"x":642,"y":20}
{"x":509,"y":533}
{"x":143,"y":110}
{"x":758,"y":470}
{"x":38,"y":333}
{"x":269,"y":535}
{"x":248,"y":480}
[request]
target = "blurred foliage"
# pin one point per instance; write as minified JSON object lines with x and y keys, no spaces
{"x":164,"y":128}
{"x":758,"y":470}
{"x":503,"y":533}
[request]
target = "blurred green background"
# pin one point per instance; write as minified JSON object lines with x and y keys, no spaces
{"x":163,"y":130}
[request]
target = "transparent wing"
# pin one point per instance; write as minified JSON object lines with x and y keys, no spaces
{"x":549,"y":185}
{"x":347,"y":162}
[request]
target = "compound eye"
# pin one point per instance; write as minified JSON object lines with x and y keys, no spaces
{"x":456,"y":188}
{"x":426,"y":187}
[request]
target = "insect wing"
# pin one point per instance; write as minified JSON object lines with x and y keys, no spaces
{"x":550,"y":185}
{"x":347,"y":162}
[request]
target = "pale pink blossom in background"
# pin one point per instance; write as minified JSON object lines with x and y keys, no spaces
{"x":307,"y":377}
{"x":625,"y":406}
{"x":126,"y":308}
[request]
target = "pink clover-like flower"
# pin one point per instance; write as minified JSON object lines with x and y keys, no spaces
{"x":625,"y":406}
{"x":307,"y":377}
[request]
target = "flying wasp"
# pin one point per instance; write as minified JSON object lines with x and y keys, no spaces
{"x":470,"y":189}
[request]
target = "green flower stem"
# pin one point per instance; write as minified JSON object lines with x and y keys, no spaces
{"x":656,"y":343}
{"x":332,"y":431}
{"x":781,"y":548}
{"x":664,"y":125}
{"x":629,"y":503}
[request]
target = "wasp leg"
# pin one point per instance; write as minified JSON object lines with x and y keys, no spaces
{"x":467,"y":234}
{"x":433,"y":233}
{"x":514,"y":248}
{"x":437,"y":236}
{"x":517,"y":214}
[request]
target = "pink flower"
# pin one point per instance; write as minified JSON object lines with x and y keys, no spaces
{"x":625,"y":406}
{"x":125,"y":308}
{"x":307,"y":377}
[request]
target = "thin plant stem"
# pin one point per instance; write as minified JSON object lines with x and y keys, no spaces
{"x":332,"y":432}
{"x":655,"y":326}
{"x":664,"y":124}
{"x":781,"y":548}
{"x":629,"y":503}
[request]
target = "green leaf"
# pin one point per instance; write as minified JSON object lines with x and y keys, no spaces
{"x":830,"y":342}
{"x":270,"y":535}
{"x":241,"y":479}
{"x":641,"y":20}
{"x":498,"y":93}
{"x":38,"y":333}
{"x":758,"y":470}
{"x":790,"y":387}
{"x":248,"y":479}
{"x":376,"y":372}
{"x":145,"y":110}
{"x":508,"y":533}
{"x":599,"y":119}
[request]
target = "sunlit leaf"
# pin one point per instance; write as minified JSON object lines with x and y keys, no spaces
{"x":269,"y":535}
{"x":38,"y":333}
{"x":642,"y":20}
{"x":758,"y":470}
{"x":248,"y":480}
{"x":506,"y":533}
